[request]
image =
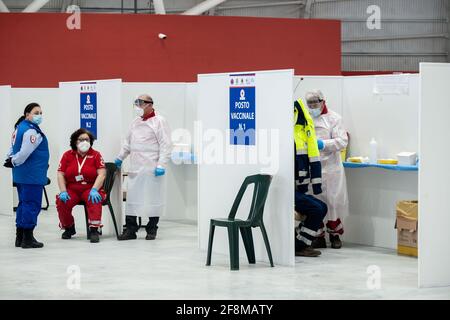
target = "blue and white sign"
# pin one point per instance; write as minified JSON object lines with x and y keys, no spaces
{"x":242,"y":109}
{"x":88,"y":107}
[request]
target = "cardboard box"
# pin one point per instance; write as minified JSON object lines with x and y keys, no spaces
{"x":407,"y":227}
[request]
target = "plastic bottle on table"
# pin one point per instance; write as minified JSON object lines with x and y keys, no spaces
{"x":373,"y":151}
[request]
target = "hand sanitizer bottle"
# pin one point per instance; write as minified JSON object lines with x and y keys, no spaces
{"x":373,"y":151}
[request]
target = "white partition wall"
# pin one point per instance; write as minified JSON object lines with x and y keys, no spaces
{"x":109,"y":132}
{"x":392,"y":119}
{"x":190,"y":170}
{"x":220,"y":175}
{"x":169,"y":101}
{"x":434,"y":177}
{"x":6,"y":190}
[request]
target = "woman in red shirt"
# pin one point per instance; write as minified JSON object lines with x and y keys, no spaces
{"x":81,"y":174}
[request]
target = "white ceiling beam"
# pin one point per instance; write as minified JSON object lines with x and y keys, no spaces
{"x":35,"y":6}
{"x":3,"y":7}
{"x":202,"y":7}
{"x":159,"y":6}
{"x":265,"y":4}
{"x":308,"y":8}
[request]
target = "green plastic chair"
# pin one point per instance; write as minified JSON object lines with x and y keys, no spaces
{"x":255,"y":219}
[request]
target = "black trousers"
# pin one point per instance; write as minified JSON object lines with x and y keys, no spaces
{"x":315,"y":211}
{"x":131,"y":224}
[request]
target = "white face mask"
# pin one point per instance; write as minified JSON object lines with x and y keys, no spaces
{"x":315,"y":112}
{"x":138,"y":112}
{"x":84,"y":146}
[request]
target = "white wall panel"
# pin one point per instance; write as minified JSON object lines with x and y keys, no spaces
{"x":434,"y":177}
{"x":219,"y":183}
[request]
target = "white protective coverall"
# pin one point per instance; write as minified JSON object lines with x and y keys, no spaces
{"x":149,"y":145}
{"x":330,"y":129}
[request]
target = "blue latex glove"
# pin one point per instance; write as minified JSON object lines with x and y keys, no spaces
{"x":320,"y":144}
{"x":159,"y":171}
{"x":118,"y":163}
{"x":64,"y":196}
{"x":94,"y":196}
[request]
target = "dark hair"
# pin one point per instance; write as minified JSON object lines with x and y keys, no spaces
{"x":74,"y":137}
{"x":28,"y":109}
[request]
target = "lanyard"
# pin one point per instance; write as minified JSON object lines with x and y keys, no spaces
{"x":80,"y":166}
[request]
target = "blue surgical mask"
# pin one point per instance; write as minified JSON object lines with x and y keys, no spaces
{"x":315,"y":112}
{"x":37,"y":119}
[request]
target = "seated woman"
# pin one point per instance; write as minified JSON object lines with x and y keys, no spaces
{"x":81,"y":174}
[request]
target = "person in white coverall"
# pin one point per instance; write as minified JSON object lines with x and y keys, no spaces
{"x":331,"y":138}
{"x":149,"y":146}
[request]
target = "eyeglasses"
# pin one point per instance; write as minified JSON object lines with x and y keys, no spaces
{"x":312,"y":103}
{"x":140,"y":102}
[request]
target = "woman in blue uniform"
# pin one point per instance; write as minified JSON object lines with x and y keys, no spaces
{"x":28,"y":158}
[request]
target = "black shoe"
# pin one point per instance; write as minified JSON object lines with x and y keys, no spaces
{"x":19,"y":237}
{"x":29,"y":241}
{"x":151,"y":235}
{"x":319,"y":242}
{"x":94,"y":235}
{"x":307,"y":252}
{"x":128,"y":235}
{"x":336,"y":243}
{"x":68,"y":233}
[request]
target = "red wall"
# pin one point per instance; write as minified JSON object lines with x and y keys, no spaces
{"x":37,"y":50}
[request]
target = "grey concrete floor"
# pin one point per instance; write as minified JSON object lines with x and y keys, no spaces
{"x":172,"y":267}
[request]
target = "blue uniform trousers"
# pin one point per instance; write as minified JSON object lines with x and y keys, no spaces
{"x":315,"y":211}
{"x":30,"y":202}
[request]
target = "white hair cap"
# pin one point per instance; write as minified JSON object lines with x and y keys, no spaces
{"x":315,"y":94}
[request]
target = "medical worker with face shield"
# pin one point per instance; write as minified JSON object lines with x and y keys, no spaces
{"x":149,"y":145}
{"x":28,"y":158}
{"x":332,"y":138}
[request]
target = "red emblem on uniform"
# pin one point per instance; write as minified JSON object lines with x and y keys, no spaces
{"x":33,"y":139}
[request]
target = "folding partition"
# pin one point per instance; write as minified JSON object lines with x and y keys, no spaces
{"x":6,"y":190}
{"x":262,"y":101}
{"x":96,"y":106}
{"x":434,"y":175}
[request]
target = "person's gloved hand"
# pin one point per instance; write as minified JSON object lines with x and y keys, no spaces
{"x":159,"y":171}
{"x":118,"y":163}
{"x":320,"y":144}
{"x":64,"y":196}
{"x":8,"y":163}
{"x":94,"y":196}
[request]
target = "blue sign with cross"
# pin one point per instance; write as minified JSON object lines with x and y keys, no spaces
{"x":88,"y":108}
{"x":242,"y":109}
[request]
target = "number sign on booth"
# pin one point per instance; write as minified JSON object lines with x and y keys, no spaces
{"x":88,"y":107}
{"x":242,"y":109}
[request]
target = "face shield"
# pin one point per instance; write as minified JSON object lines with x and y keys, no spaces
{"x":141,"y":103}
{"x":315,"y":107}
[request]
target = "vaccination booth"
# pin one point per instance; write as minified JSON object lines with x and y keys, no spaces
{"x":399,"y":111}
